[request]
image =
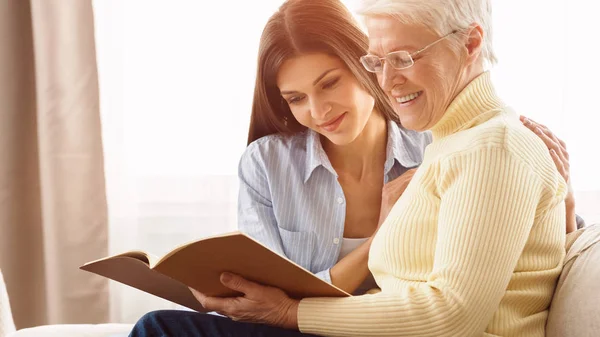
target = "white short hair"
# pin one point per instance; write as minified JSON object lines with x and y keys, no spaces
{"x":442,"y":16}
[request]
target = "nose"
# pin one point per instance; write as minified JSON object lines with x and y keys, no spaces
{"x":319,"y":108}
{"x":390,"y":77}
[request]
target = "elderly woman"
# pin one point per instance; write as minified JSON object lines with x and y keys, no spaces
{"x":475,"y":244}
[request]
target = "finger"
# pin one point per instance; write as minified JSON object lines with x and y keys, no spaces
{"x":559,"y":165}
{"x":550,"y":143}
{"x":561,"y":144}
{"x":531,"y":124}
{"x":198,"y":295}
{"x":558,"y":147}
{"x":536,"y":123}
{"x":209,"y":303}
{"x":527,"y":121}
{"x":397,"y":183}
{"x":395,"y":189}
{"x":406,"y":176}
{"x":564,"y":158}
{"x":238,"y":283}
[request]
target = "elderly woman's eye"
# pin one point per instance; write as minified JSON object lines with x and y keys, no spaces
{"x":371,"y":62}
{"x":400,"y":59}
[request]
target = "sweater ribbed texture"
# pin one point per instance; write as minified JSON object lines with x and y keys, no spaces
{"x":475,"y":244}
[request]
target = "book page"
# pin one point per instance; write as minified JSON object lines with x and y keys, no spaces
{"x":183,"y":246}
{"x":139,"y":255}
{"x":200,"y":264}
{"x":132,"y":271}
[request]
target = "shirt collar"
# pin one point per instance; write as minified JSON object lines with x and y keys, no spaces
{"x":315,"y":155}
{"x":403,"y":146}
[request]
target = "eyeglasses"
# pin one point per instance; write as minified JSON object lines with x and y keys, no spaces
{"x":399,"y":59}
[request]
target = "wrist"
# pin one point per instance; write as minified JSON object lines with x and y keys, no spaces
{"x":570,"y":204}
{"x":291,"y":321}
{"x":570,"y":207}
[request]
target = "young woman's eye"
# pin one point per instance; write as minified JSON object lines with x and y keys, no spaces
{"x":295,"y":99}
{"x":331,"y":83}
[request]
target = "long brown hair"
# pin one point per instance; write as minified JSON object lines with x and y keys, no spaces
{"x":301,"y":27}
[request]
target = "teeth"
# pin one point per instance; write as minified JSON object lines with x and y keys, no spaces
{"x":408,"y":97}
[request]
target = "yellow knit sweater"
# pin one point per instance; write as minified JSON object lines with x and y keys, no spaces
{"x":475,"y":244}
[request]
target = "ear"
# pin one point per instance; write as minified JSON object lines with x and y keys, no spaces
{"x":474,"y":42}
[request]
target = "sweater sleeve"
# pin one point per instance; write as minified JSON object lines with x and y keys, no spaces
{"x":488,"y":201}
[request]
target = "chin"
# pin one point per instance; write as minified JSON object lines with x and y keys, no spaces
{"x":410,"y":123}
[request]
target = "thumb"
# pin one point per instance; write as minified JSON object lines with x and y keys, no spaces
{"x":237,"y":283}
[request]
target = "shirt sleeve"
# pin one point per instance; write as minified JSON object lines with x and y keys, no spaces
{"x":255,"y":208}
{"x":324,"y":275}
{"x":488,"y":202}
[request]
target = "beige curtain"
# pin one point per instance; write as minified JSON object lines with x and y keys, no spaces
{"x":52,"y":193}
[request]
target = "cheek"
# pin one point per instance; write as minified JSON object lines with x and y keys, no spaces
{"x":438,"y":83}
{"x":301,"y":115}
{"x":363,"y":101}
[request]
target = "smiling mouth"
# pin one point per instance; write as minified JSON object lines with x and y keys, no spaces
{"x":408,"y":98}
{"x":333,"y":124}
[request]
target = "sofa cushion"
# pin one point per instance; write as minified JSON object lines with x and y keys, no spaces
{"x":76,"y":330}
{"x":575,"y":308}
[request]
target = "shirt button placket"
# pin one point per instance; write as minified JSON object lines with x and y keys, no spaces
{"x":340,"y":200}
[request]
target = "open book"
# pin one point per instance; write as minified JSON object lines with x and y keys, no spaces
{"x":199,"y":264}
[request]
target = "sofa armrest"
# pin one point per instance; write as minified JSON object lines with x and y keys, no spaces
{"x":575,"y":310}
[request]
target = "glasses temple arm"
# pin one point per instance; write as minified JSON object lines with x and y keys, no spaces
{"x":432,"y":43}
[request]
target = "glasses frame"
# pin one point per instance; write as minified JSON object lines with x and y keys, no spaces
{"x":411,"y":55}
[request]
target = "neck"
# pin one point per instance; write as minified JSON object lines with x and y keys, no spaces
{"x":365,"y":155}
{"x":476,"y":102}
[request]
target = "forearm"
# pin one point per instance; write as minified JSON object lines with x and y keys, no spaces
{"x":353,"y":269}
{"x":571,"y":216}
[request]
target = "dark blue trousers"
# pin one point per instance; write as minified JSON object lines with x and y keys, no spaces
{"x":177,"y":323}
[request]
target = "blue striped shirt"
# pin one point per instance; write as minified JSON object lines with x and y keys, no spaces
{"x":291,"y":201}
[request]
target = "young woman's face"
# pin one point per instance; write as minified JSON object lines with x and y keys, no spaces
{"x":324,"y":95}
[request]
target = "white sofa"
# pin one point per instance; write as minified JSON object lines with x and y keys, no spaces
{"x":575,"y":310}
{"x":7,"y":326}
{"x":76,"y":330}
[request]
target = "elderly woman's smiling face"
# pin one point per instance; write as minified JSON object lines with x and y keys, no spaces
{"x":421,"y":93}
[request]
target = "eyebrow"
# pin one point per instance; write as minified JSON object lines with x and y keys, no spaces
{"x":314,"y":82}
